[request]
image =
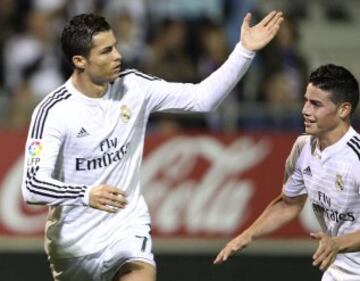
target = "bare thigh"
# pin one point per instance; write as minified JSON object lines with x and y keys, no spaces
{"x":136,"y":271}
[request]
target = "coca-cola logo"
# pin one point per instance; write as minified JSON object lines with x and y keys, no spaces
{"x":195,"y":185}
{"x":15,"y":215}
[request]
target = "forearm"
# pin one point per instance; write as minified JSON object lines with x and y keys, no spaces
{"x":277,"y":214}
{"x":39,"y":188}
{"x":212,"y":90}
{"x":348,"y":242}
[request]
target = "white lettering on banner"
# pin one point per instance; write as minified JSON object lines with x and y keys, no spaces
{"x":11,"y":213}
{"x":214,"y":201}
{"x":217,"y":202}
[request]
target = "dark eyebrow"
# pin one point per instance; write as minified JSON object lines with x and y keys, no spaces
{"x":316,"y":102}
{"x":106,"y":49}
{"x":109,"y":47}
{"x":312,"y":101}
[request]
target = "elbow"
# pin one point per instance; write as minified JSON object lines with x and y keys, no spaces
{"x":204,"y":100}
{"x":29,"y":197}
{"x":205,"y":107}
{"x":208,"y":108}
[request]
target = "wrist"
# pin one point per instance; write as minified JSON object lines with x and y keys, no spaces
{"x":249,"y":233}
{"x":341,"y":248}
{"x":244,"y":50}
{"x":86,"y":198}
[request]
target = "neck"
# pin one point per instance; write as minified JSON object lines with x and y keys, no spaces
{"x":87,"y":87}
{"x":332,"y":137}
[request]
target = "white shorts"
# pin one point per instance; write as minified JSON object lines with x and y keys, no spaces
{"x":335,"y":273}
{"x":327,"y":276}
{"x":103,"y":265}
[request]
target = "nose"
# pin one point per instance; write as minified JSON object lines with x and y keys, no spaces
{"x":305,"y":109}
{"x":117,"y":55}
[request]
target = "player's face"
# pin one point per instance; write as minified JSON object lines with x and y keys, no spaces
{"x":104,"y":61}
{"x":321,"y":114}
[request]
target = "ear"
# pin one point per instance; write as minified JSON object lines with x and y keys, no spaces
{"x":79,"y":62}
{"x":345,"y":110}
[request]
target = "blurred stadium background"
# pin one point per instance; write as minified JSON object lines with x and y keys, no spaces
{"x":206,"y":177}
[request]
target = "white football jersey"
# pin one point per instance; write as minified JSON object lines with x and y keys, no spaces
{"x":76,"y":142}
{"x":331,"y":180}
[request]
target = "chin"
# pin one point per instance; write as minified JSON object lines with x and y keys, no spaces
{"x":313,"y":133}
{"x":113,"y":78}
{"x":309,"y":131}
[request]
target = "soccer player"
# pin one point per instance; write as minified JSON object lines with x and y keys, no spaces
{"x":324,"y":166}
{"x":85,"y":145}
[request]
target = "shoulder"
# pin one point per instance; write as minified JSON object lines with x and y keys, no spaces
{"x":296,"y":153}
{"x":51,"y":110}
{"x":353,"y":145}
{"x":351,"y":155}
{"x":53,"y":100}
{"x":136,"y":74}
{"x":135,"y":80}
{"x":301,"y":142}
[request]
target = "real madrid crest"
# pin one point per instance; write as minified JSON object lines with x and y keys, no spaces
{"x":339,"y":183}
{"x":125,"y":113}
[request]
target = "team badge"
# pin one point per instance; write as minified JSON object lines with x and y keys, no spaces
{"x":339,"y":183}
{"x":125,"y":113}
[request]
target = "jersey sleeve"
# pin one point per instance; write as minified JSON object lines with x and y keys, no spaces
{"x":204,"y":96}
{"x":293,"y":184}
{"x":42,"y":154}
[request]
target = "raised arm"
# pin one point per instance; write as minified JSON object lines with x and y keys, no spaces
{"x":208,"y":94}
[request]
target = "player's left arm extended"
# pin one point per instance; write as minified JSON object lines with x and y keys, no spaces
{"x":208,"y":94}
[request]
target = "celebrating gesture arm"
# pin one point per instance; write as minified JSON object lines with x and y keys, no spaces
{"x":256,"y":37}
{"x":210,"y":92}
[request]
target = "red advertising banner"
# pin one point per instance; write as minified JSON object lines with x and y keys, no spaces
{"x":198,"y":185}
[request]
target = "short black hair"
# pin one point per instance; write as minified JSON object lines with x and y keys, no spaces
{"x":339,"y":81}
{"x":76,"y":38}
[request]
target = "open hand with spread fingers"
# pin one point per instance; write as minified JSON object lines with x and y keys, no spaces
{"x":256,"y":37}
{"x":107,"y":198}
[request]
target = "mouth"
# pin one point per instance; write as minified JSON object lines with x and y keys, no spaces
{"x":308,"y":122}
{"x":117,"y":67}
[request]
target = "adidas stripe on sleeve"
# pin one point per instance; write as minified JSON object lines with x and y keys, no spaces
{"x":42,"y":149}
{"x":354,"y":144}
